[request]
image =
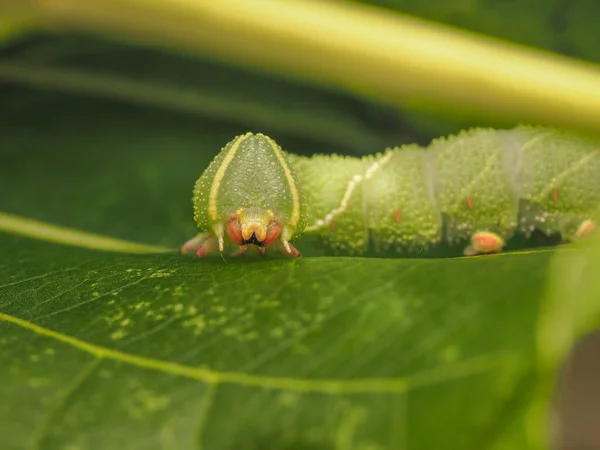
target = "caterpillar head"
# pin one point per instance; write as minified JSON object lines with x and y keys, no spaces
{"x":248,"y":194}
{"x":254,"y":226}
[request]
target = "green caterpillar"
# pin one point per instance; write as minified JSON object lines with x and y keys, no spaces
{"x":481,"y":186}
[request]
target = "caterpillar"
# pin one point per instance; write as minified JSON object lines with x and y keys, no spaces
{"x":480,"y":187}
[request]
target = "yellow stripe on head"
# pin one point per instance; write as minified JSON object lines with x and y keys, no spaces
{"x":214,"y":189}
{"x":295,"y":216}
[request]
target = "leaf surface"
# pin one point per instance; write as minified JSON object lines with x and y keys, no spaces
{"x":115,"y":351}
{"x":104,"y":350}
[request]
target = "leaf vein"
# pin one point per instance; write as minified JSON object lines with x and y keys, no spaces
{"x":205,"y":405}
{"x":437,"y":375}
{"x":67,"y":394}
{"x":68,"y":236}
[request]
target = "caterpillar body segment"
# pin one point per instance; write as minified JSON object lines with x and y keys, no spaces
{"x":333,"y":195}
{"x":474,"y":184}
{"x":480,"y":187}
{"x":249,"y":196}
{"x":378,"y":198}
{"x":557,"y":163}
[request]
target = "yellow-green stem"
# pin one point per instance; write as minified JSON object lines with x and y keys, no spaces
{"x":390,"y":57}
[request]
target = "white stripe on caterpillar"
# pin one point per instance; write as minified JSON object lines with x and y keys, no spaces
{"x":352,"y":184}
{"x":473,"y":183}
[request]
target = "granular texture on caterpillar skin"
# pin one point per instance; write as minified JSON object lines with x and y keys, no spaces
{"x":482,"y":185}
{"x":248,"y":172}
{"x":249,"y":193}
{"x":503,"y":182}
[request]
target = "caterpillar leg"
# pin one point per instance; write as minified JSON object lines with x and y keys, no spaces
{"x":586,"y":228}
{"x":289,"y":249}
{"x":240,"y":251}
{"x":194,"y":243}
{"x":484,"y":242}
{"x":243,"y":248}
{"x":286,"y":234}
{"x":208,"y":246}
{"x":203,"y":244}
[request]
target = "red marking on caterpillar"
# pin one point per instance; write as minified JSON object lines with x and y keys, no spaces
{"x":555,"y":194}
{"x":398,"y":216}
{"x":332,"y":226}
{"x":470,"y":202}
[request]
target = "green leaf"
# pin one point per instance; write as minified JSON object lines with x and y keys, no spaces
{"x":105,"y":350}
{"x":109,"y":351}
